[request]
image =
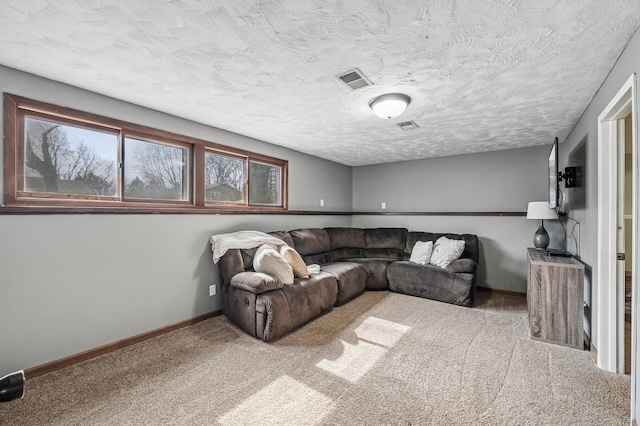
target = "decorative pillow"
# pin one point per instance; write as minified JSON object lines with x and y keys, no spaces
{"x":269,"y":261}
{"x":446,"y":251}
{"x":421,"y":252}
{"x":295,"y":260}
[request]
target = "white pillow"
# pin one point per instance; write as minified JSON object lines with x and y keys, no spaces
{"x":446,"y":251}
{"x":270,"y":262}
{"x":421,"y":252}
{"x":294,"y":259}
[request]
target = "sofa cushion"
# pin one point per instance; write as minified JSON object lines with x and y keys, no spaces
{"x":385,"y":238}
{"x":393,"y":254}
{"x":346,"y":237}
{"x":344,"y":253}
{"x":284,"y":236}
{"x":318,"y":259}
{"x":351,"y":278}
{"x":295,"y":261}
{"x":431,"y":282}
{"x":280,"y":311}
{"x":310,"y":241}
{"x":247,"y":258}
{"x":376,"y":271}
{"x":471,"y":246}
{"x":269,"y":261}
{"x":255,"y":282}
{"x":467,"y":266}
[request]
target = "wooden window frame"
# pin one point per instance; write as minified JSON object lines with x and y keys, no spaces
{"x":16,"y":108}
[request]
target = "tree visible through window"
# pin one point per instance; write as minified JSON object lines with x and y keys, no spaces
{"x":65,"y":159}
{"x":74,"y":161}
{"x":224,"y":178}
{"x":154,"y":170}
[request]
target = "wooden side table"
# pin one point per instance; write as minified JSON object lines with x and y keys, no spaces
{"x":555,"y":299}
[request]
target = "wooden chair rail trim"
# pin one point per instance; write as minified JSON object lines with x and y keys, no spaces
{"x":45,"y":210}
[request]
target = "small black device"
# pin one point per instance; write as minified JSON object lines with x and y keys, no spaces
{"x":558,"y":253}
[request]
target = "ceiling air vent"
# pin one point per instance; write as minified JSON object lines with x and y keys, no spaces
{"x":354,"y":79}
{"x":408,"y":125}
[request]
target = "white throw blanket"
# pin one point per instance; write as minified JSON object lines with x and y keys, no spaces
{"x":241,"y":240}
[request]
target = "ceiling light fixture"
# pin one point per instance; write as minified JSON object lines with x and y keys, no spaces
{"x":390,"y":105}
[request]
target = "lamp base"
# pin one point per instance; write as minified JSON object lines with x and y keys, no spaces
{"x":541,"y":238}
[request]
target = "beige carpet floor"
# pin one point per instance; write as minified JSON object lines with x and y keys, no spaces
{"x":382,"y":359}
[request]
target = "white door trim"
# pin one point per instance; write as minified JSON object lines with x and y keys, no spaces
{"x":606,"y":292}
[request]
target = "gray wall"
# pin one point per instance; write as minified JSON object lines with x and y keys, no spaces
{"x":70,"y":283}
{"x":581,"y":149}
{"x":492,"y":181}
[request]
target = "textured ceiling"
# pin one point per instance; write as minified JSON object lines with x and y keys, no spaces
{"x":483,"y":75}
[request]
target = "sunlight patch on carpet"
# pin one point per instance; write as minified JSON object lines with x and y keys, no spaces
{"x":285,"y":401}
{"x":382,"y":332}
{"x":376,"y":336}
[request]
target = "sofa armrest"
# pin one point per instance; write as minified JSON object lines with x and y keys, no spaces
{"x":467,"y":266}
{"x":255,"y":282}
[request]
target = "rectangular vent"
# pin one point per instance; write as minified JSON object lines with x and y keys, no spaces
{"x":355,"y":79}
{"x":408,"y":125}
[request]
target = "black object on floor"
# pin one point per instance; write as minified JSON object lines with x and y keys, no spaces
{"x":12,"y":386}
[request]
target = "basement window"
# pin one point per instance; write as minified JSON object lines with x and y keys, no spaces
{"x":64,"y":160}
{"x":224,"y":178}
{"x":265,"y":183}
{"x":155,"y":170}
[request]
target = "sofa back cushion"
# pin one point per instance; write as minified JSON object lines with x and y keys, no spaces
{"x":346,"y":243}
{"x":284,"y":236}
{"x":471,"y":250}
{"x":394,"y":254}
{"x":247,"y":257}
{"x":312,"y":244}
{"x":347,"y":253}
{"x":387,"y":243}
{"x":385,"y":238}
{"x":346,"y":238}
{"x":230,"y":264}
{"x":471,"y":247}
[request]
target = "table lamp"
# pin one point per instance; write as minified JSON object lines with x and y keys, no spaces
{"x":540,"y":210}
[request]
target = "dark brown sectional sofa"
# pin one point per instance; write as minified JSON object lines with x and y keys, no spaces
{"x":352,"y":260}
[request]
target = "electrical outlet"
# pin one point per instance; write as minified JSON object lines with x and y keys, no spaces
{"x":321,"y":202}
{"x":212,"y":290}
{"x":384,"y":205}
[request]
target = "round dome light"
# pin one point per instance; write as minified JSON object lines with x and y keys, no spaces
{"x":390,"y":105}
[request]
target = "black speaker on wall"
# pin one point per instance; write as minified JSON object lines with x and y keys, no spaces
{"x":571,"y":176}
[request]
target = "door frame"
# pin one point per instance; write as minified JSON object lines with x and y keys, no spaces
{"x":610,"y":303}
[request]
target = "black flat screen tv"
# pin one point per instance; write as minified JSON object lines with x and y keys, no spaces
{"x":554,"y":189}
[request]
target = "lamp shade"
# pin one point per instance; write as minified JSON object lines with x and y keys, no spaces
{"x":541,"y":210}
{"x":390,"y":105}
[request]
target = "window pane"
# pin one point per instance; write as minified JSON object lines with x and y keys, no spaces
{"x":155,"y":171}
{"x":224,"y":178}
{"x":264,"y":184}
{"x":64,"y":159}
